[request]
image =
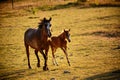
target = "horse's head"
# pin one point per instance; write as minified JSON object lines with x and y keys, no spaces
{"x":45,"y":24}
{"x":67,"y":34}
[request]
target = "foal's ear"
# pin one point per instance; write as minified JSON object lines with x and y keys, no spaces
{"x":50,"y":19}
{"x":69,"y":30}
{"x":64,"y":30}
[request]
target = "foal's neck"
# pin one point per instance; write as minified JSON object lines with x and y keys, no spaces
{"x":62,"y":36}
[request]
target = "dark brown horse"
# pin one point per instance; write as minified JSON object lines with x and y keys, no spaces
{"x":60,"y":42}
{"x":38,"y":40}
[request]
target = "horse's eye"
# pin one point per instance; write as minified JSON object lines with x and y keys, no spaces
{"x":68,"y":34}
{"x":45,"y":24}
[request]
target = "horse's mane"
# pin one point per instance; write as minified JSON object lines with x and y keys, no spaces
{"x":41,"y":23}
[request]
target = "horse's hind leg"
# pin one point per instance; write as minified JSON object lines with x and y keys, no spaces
{"x":64,"y":50}
{"x":36,"y":53}
{"x":27,"y":52}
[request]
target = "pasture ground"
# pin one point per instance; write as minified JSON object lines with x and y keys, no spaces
{"x":93,"y":53}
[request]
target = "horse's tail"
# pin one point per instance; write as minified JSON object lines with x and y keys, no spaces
{"x":25,"y":39}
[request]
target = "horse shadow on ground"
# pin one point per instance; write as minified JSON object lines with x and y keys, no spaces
{"x":113,"y":75}
{"x":15,"y":74}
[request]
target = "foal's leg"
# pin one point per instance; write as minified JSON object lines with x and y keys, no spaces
{"x":45,"y":63}
{"x":64,"y":50}
{"x":27,"y":52}
{"x":54,"y":59}
{"x":36,"y":53}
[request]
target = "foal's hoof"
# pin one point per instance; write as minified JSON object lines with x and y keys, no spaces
{"x":57,"y":65}
{"x":69,"y":64}
{"x":45,"y":68}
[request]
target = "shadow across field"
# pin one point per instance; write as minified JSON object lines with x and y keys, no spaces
{"x":15,"y":74}
{"x":108,"y":34}
{"x":113,"y":75}
{"x":11,"y":75}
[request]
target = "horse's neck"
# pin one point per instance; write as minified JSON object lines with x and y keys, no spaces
{"x":41,"y":35}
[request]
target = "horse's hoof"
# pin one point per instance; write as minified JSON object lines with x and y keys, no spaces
{"x":30,"y":68}
{"x":38,"y":65}
{"x":45,"y":68}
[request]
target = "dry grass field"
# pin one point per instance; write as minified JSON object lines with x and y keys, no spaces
{"x":93,"y":53}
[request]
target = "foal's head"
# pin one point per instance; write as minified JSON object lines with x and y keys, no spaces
{"x":67,"y":35}
{"x":45,"y":24}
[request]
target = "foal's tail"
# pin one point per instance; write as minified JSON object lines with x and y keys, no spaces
{"x":51,"y":43}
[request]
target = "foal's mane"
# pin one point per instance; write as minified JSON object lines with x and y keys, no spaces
{"x":62,"y":35}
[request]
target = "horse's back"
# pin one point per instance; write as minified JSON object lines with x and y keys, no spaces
{"x":30,"y":38}
{"x":29,"y":34}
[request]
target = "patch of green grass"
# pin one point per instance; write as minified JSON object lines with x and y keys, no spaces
{"x":56,"y":7}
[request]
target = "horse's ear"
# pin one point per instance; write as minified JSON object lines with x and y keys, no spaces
{"x":50,"y":19}
{"x":44,"y":19}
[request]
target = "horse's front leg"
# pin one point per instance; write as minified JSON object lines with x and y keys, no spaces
{"x":46,"y":53}
{"x":36,"y":53}
{"x":45,"y":63}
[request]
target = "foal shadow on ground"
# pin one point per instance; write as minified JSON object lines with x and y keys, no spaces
{"x":113,"y":75}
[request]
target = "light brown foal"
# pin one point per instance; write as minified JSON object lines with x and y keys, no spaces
{"x":60,"y":42}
